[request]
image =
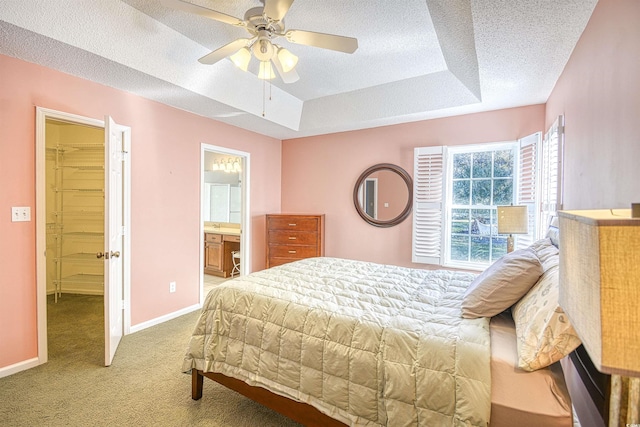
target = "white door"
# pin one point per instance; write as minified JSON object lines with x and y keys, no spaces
{"x":116,"y":140}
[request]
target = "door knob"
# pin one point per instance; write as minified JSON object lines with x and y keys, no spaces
{"x":99,"y":255}
{"x":115,"y":254}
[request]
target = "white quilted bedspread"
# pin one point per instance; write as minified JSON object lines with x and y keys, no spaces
{"x":367,"y":344}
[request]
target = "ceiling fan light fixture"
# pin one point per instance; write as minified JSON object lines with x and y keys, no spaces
{"x":287,"y":59}
{"x":241,"y":58}
{"x":265,"y":24}
{"x":266,"y":71}
{"x":263,"y":48}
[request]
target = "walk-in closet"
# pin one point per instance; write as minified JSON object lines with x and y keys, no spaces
{"x":75,"y":218}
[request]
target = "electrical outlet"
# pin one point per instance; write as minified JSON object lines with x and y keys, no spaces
{"x":21,"y":213}
{"x":172,"y":287}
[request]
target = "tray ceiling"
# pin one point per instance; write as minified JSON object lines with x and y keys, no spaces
{"x":416,"y":59}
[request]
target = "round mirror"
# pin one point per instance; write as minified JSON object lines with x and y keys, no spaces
{"x":383,"y":195}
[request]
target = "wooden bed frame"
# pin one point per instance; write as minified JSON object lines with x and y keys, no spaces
{"x":588,"y":387}
{"x":584,"y":381}
{"x":297,"y":411}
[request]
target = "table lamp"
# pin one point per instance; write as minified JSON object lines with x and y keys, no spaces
{"x":600,"y":293}
{"x":512,"y":220}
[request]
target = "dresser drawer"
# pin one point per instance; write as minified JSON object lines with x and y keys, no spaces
{"x":212,"y":238}
{"x":279,"y":261}
{"x":289,"y":222}
{"x":297,"y":252}
{"x":231,"y":238}
{"x":286,"y":237}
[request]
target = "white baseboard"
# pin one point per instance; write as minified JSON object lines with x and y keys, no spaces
{"x":32,"y":363}
{"x":18,"y":367}
{"x":161,"y":319}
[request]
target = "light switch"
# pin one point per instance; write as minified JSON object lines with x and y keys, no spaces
{"x":386,"y":205}
{"x":20,"y":213}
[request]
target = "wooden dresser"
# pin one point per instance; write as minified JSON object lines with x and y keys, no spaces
{"x":294,"y":237}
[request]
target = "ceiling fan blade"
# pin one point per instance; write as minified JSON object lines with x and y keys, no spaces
{"x":277,"y":9}
{"x":325,"y":41}
{"x":224,"y":51}
{"x":203,"y":11}
{"x":289,"y":77}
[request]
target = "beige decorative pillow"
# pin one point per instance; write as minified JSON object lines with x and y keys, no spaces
{"x":502,"y":284}
{"x":547,"y":253}
{"x":544,"y":334}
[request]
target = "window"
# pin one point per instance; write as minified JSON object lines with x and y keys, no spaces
{"x":480,"y":178}
{"x":457,"y":190}
{"x":551,"y":173}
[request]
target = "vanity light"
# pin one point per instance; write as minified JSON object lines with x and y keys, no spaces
{"x":228,"y":165}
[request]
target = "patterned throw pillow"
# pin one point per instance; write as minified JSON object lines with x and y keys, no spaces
{"x":544,"y":334}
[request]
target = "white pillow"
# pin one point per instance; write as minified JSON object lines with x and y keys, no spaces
{"x":547,"y":253}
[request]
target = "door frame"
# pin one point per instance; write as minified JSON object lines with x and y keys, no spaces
{"x":42,"y":115}
{"x":245,"y":216}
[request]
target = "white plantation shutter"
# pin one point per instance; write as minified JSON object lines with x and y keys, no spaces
{"x":428,"y":204}
{"x":528,"y":194}
{"x":551,"y":174}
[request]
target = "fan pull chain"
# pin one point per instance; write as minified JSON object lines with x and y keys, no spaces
{"x":264,"y":95}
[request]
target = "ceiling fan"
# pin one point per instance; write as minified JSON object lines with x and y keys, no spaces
{"x":265,"y":24}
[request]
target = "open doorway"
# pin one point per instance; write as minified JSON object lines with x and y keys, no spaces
{"x":224,"y":219}
{"x":83,"y":250}
{"x":74,"y":169}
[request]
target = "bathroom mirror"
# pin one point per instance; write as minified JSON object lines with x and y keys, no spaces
{"x":383,"y":195}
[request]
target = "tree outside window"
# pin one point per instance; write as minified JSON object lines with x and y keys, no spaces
{"x":480,"y":181}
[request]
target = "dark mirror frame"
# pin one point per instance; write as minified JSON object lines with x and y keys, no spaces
{"x":407,"y":209}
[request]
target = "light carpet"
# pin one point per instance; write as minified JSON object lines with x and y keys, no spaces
{"x":143,"y":387}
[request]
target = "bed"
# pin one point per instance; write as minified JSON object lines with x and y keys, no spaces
{"x":330,"y":341}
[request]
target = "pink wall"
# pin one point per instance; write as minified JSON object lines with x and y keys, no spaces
{"x":599,"y":94}
{"x":318,"y":173}
{"x":165,"y":193}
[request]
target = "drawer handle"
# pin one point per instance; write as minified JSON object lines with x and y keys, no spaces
{"x":292,"y":238}
{"x":292,"y":225}
{"x":292,"y":252}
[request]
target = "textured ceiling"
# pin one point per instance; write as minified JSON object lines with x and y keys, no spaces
{"x":417,"y":59}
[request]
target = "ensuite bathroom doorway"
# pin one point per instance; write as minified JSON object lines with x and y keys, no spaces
{"x":224,"y":224}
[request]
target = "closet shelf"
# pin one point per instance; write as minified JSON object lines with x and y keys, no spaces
{"x":82,"y":146}
{"x":81,"y":257}
{"x":94,"y":279}
{"x":83,"y":234}
{"x":77,"y":207}
{"x":76,"y":190}
{"x":82,"y":167}
{"x":80,"y":213}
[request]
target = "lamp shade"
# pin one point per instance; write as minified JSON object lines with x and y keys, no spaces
{"x":513,"y":220}
{"x":287,"y":59}
{"x":600,"y":285}
{"x":241,"y":58}
{"x":265,"y":72}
